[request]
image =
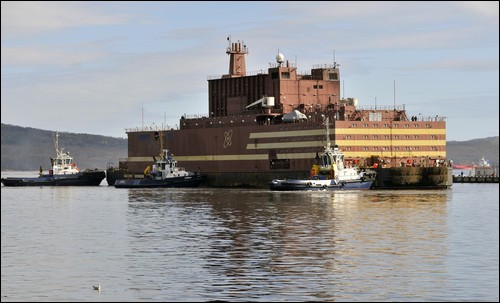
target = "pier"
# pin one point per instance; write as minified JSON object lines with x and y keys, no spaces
{"x":475,"y":179}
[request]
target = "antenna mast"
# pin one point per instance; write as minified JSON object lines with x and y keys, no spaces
{"x":343,"y":90}
{"x":394,"y":94}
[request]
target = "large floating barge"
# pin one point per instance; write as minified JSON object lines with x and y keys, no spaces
{"x":268,"y":125}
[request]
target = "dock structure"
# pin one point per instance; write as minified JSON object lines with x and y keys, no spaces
{"x":475,"y":179}
{"x":482,"y":173}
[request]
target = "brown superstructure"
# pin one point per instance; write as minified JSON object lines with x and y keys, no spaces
{"x":269,"y":124}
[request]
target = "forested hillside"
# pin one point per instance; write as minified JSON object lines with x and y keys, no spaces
{"x":25,"y":148}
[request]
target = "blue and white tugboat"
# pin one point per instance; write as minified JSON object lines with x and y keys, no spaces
{"x":63,"y":172}
{"x":329,"y":173}
{"x":165,"y":173}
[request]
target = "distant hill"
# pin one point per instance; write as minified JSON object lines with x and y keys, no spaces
{"x":471,"y":151}
{"x":25,"y":148}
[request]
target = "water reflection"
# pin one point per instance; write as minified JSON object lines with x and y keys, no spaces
{"x":249,"y":245}
{"x":291,"y":242}
{"x":396,"y":236}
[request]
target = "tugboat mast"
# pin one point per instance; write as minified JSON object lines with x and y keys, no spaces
{"x":327,"y":124}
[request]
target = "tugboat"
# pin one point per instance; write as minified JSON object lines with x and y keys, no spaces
{"x":329,"y":173}
{"x":165,"y":173}
{"x":63,"y":172}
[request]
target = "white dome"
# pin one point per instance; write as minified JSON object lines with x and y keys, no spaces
{"x":280,"y":58}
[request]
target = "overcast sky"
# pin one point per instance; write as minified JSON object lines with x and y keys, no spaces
{"x":101,"y":67}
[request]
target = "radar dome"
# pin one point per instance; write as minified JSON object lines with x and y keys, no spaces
{"x":280,"y":58}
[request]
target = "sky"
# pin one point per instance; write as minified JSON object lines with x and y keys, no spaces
{"x":103,"y":67}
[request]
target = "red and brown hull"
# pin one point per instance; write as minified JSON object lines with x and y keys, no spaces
{"x":239,"y":155}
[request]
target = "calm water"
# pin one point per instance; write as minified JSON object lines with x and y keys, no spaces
{"x":249,"y":245}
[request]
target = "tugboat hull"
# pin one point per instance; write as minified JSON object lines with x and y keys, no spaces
{"x":189,"y":181}
{"x":288,"y":185}
{"x":86,"y":178}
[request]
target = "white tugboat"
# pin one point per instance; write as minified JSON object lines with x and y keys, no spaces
{"x":63,"y":172}
{"x":164,"y":173}
{"x":329,"y":173}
